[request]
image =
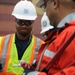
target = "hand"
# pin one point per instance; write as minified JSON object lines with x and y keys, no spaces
{"x":25,"y":65}
{"x":28,"y":68}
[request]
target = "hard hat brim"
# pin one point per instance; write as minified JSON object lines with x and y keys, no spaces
{"x":25,"y":17}
{"x":39,"y":3}
{"x":46,"y":29}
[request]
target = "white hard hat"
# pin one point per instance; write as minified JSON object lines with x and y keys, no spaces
{"x":45,"y":24}
{"x":24,"y":10}
{"x":39,"y":3}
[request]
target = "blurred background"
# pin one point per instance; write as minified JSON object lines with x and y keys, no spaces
{"x":7,"y":23}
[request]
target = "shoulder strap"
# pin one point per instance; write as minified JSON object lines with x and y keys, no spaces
{"x":37,"y":46}
{"x":4,"y":51}
{"x":37,"y":43}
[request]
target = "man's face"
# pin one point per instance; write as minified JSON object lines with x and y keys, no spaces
{"x":50,"y":10}
{"x":24,"y":27}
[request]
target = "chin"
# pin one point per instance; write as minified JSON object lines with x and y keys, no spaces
{"x":24,"y":34}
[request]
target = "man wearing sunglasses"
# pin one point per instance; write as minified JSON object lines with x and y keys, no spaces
{"x":61,"y":14}
{"x":21,"y":46}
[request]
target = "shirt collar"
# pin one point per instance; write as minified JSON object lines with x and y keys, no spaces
{"x":17,"y":39}
{"x":67,"y":19}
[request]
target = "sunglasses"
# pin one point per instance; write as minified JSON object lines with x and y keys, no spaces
{"x":24,"y":22}
{"x":43,"y":6}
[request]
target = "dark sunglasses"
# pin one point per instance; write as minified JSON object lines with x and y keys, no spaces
{"x":43,"y":6}
{"x":24,"y":22}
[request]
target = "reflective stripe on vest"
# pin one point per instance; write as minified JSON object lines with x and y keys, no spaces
{"x":32,"y":73}
{"x":37,"y":47}
{"x":36,"y":73}
{"x":4,"y":51}
{"x":49,"y":53}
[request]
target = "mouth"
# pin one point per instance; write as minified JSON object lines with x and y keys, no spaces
{"x":24,"y":30}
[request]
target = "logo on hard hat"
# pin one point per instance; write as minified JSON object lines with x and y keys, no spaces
{"x":44,"y":23}
{"x":26,"y":11}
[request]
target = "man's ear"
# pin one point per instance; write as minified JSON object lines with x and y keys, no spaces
{"x":55,"y":3}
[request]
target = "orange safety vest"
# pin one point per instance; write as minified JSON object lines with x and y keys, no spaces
{"x":5,"y":51}
{"x":67,"y":57}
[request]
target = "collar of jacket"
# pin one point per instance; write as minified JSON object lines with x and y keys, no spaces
{"x":56,"y":31}
{"x":16,"y":38}
{"x":70,"y":17}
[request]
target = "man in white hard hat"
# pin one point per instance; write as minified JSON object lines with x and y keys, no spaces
{"x":57,"y":55}
{"x":21,"y":46}
{"x":45,"y":26}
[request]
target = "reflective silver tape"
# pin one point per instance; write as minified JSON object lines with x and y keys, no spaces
{"x":4,"y":51}
{"x":37,"y":47}
{"x":49,"y":53}
{"x":37,"y":43}
{"x":33,"y":73}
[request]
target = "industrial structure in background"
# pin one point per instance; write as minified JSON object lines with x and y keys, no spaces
{"x":7,"y":24}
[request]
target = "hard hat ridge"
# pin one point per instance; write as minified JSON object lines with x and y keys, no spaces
{"x":24,"y":10}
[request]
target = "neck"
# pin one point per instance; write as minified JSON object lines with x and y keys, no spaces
{"x":22,"y":37}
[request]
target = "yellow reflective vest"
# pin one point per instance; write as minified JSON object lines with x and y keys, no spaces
{"x":9,"y":55}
